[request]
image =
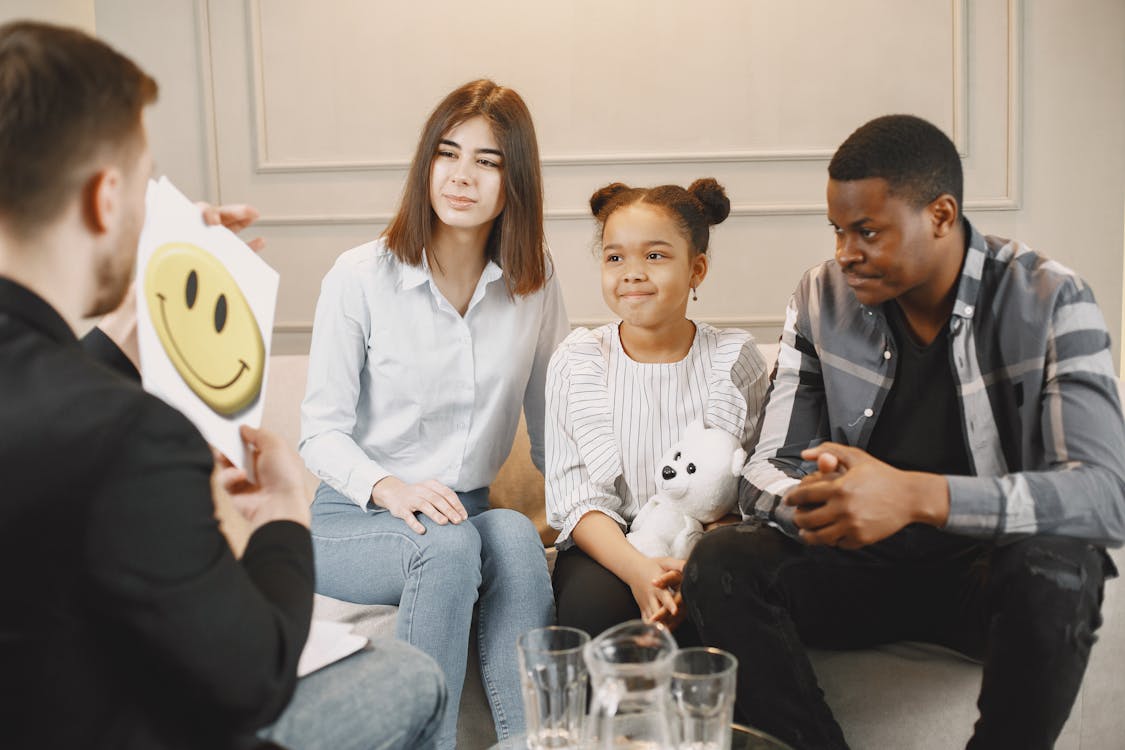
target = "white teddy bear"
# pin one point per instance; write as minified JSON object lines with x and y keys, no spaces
{"x":696,"y":484}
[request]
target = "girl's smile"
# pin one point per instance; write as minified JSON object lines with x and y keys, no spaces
{"x":648,"y":267}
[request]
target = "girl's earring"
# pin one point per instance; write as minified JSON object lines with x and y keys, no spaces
{"x":694,"y":296}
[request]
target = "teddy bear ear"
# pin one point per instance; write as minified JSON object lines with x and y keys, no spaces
{"x":737,"y":461}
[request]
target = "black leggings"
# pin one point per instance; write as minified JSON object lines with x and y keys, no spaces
{"x":591,"y":598}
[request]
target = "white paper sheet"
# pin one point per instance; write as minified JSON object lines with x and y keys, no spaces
{"x":328,"y":642}
{"x":173,"y":220}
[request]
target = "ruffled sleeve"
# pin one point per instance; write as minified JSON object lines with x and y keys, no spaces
{"x":583,"y":458}
{"x":739,"y":379}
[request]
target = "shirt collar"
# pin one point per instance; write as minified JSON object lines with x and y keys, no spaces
{"x":491,"y":272}
{"x":412,"y":276}
{"x":20,"y":302}
{"x":968,"y":287}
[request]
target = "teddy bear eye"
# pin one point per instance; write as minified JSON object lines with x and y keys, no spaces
{"x":691,"y":468}
{"x":676,"y":457}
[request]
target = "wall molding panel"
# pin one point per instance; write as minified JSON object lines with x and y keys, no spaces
{"x":310,"y":111}
{"x":294,"y":338}
{"x":1008,"y":199}
{"x":280,"y":80}
{"x":264,"y":164}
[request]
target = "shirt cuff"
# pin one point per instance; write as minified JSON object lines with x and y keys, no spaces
{"x":976,"y":505}
{"x":362,"y":479}
{"x":759,"y":503}
{"x":564,"y":541}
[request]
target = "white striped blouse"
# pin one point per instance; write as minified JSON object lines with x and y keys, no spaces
{"x":610,"y":419}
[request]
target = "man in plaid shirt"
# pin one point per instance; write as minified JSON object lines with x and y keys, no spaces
{"x":942,"y":458}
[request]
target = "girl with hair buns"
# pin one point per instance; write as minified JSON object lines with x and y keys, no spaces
{"x":619,"y":396}
{"x":426,"y":344}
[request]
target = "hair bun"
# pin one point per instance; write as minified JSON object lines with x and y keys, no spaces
{"x":716,"y":205}
{"x":604,"y":195}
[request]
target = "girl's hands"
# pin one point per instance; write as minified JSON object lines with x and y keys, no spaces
{"x":430,"y":497}
{"x":657,"y":600}
{"x":671,"y":578}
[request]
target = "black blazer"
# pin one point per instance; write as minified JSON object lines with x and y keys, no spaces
{"x":126,"y":620}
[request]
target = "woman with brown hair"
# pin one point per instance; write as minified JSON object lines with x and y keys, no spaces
{"x":426,"y":343}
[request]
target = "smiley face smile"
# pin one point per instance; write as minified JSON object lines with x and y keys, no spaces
{"x":205,"y":326}
{"x":243,"y":367}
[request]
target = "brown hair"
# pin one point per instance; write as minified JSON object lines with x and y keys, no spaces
{"x":516,"y":241}
{"x":65,"y":98}
{"x":694,"y":210}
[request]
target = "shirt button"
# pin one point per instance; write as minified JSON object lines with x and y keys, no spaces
{"x":868,"y":413}
{"x":968,"y":309}
{"x":887,"y":354}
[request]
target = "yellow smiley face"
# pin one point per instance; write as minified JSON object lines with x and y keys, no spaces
{"x":206,"y":326}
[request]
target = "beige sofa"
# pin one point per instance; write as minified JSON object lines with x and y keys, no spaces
{"x":901,"y":696}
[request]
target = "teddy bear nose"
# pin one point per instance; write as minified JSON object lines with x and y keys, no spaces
{"x":668,"y":472}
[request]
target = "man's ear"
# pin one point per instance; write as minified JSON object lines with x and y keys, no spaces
{"x":943,"y":214}
{"x":102,"y":199}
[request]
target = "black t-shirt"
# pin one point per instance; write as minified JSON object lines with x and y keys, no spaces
{"x":919,"y":428}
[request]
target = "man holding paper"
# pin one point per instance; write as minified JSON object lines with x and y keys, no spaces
{"x":128,"y":622}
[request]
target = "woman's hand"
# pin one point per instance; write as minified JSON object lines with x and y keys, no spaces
{"x":653,"y":597}
{"x":430,"y":497}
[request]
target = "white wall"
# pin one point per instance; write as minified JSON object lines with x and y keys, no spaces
{"x":310,"y":111}
{"x":78,"y":13}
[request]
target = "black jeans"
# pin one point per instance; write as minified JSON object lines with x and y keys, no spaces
{"x":1027,"y":609}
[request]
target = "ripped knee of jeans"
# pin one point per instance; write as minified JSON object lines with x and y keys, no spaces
{"x":1060,"y":570}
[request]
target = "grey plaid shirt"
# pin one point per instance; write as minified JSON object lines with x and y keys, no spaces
{"x":1039,"y":401}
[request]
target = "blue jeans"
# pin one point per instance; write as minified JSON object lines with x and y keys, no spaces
{"x":368,"y":556}
{"x":388,"y":696}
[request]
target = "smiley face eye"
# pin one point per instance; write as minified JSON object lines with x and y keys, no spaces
{"x":220,"y":313}
{"x":192,"y":289}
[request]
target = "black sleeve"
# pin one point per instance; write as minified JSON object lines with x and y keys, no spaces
{"x":101,"y":347}
{"x":227,"y":634}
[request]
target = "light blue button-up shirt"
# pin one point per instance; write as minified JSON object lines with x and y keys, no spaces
{"x":401,"y":384}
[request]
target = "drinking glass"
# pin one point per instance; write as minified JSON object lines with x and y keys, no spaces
{"x":553,"y":677}
{"x":702,"y":689}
